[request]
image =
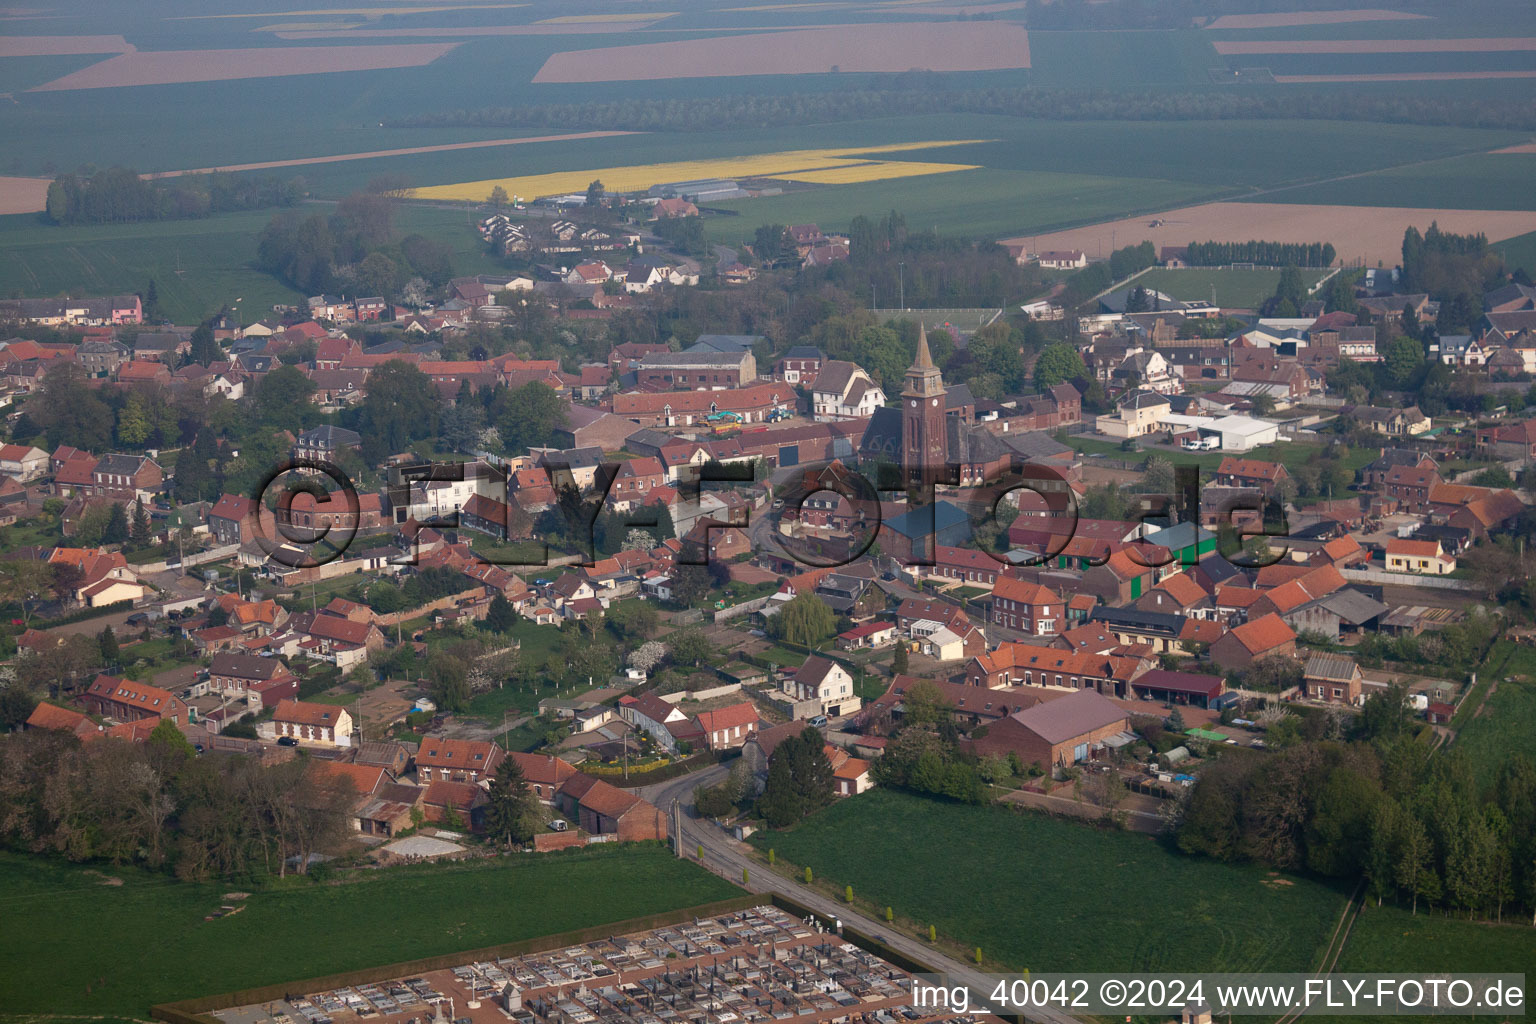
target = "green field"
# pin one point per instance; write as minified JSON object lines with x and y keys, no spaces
{"x":980,"y":203}
{"x":198,"y":266}
{"x":1240,"y":289}
{"x":1389,"y":939}
{"x":1483,"y":181}
{"x":1046,"y":894}
{"x":74,"y":944}
{"x":1507,"y":723}
{"x":1519,"y":251}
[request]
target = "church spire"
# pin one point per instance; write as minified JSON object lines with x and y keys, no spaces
{"x":924,"y":357}
{"x":923,"y":378}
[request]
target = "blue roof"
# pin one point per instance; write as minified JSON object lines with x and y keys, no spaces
{"x":921,"y":522}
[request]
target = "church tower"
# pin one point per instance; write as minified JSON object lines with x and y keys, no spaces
{"x":924,"y":440}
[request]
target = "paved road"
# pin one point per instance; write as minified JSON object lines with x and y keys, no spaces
{"x":724,"y":855}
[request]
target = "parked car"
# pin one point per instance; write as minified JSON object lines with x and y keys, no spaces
{"x":818,"y":722}
{"x":287,"y":741}
{"x":558,"y":825}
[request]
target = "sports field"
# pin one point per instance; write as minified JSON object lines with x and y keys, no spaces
{"x":1052,"y":895}
{"x":75,"y":943}
{"x":1234,"y":289}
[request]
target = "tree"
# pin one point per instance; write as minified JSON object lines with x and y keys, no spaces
{"x":512,"y":809}
{"x":899,"y":660}
{"x":447,"y":682}
{"x":1402,"y":360}
{"x":117,"y":526}
{"x":205,"y":349}
{"x":25,"y":582}
{"x":1175,"y":721}
{"x":690,"y":647}
{"x":1138,"y":301}
{"x":804,"y":620}
{"x":401,"y":407}
{"x":530,"y":416}
{"x":139,"y":531}
{"x":501,"y":616}
{"x":1057,"y":364}
{"x":799,"y":780}
{"x":1158,"y":475}
{"x":498,"y":197}
{"x":108,"y":643}
{"x":647,"y":656}
{"x":595,"y":193}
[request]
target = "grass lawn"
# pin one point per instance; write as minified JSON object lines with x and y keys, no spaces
{"x":1507,"y":723}
{"x":41,"y":531}
{"x":1242,"y":289}
{"x":1051,"y":895}
{"x":162,"y":949}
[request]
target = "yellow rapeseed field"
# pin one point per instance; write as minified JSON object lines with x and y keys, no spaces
{"x":795,"y":163}
{"x":858,"y":173}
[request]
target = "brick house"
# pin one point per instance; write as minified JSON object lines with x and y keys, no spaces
{"x":602,"y":809}
{"x":1264,"y":476}
{"x":126,"y":477}
{"x":1056,"y":732}
{"x":1028,"y":607}
{"x":1333,"y":677}
{"x":128,"y":701}
{"x":1410,"y":486}
{"x":696,"y":370}
{"x":441,"y":758}
{"x":1264,"y":636}
{"x":240,"y":673}
{"x":232,"y":519}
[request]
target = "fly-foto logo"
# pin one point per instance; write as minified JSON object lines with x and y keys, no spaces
{"x":819,"y":515}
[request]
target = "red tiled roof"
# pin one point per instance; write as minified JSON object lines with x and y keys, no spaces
{"x":743,"y":714}
{"x":1413,"y":548}
{"x":469,"y":755}
{"x":306,"y":713}
{"x":1011,"y":589}
{"x":1264,"y":634}
{"x":51,"y":716}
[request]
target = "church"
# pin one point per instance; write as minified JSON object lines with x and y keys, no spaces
{"x":935,"y":440}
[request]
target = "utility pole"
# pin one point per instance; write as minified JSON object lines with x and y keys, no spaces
{"x":901,"y":270}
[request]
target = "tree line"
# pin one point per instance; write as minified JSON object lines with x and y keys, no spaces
{"x":1265,"y":254}
{"x":1453,"y":269}
{"x":118,"y":194}
{"x":932,"y":96}
{"x":161,"y":805}
{"x":353,"y":251}
{"x":1419,"y":828}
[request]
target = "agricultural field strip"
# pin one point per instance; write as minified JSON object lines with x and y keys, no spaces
{"x":413,"y":150}
{"x":1246,"y":46}
{"x":58,"y":46}
{"x":181,"y":67}
{"x":643,"y":176}
{"x":367,"y":12}
{"x":856,"y":174}
{"x":1293,"y":18}
{"x":1405,"y":76}
{"x":894,"y":47}
{"x":1358,"y":232}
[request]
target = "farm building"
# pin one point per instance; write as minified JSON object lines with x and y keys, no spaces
{"x":1059,"y":732}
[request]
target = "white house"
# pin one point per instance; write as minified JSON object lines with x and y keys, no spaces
{"x":843,"y":391}
{"x":23,"y":463}
{"x":322,"y":725}
{"x":822,"y":679}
